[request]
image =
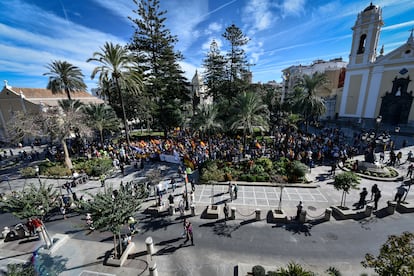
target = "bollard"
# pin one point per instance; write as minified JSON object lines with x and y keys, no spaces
{"x":233,"y":213}
{"x":391,"y":207}
{"x":171,"y":209}
{"x":150,"y":245}
{"x":192,"y":207}
{"x":328,"y":213}
{"x":368,"y":210}
{"x":257,"y":214}
{"x":152,"y":267}
{"x":302,"y":216}
{"x":6,"y":230}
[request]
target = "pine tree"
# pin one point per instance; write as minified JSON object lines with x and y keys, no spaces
{"x":237,"y":65}
{"x":154,"y":45}
{"x":215,"y":67}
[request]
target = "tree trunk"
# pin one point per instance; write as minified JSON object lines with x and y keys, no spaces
{"x":101,"y":135}
{"x":115,"y":248}
{"x":68,"y":161}
{"x":123,"y":113}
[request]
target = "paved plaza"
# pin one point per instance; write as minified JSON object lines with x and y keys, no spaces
{"x":260,"y":196}
{"x":221,"y":246}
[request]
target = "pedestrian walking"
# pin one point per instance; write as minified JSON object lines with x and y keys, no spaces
{"x":377,"y":197}
{"x":226,"y":211}
{"x":401,"y":190}
{"x":374,"y":190}
{"x":410,"y":171}
{"x":231,"y":191}
{"x":409,"y":155}
{"x":299,"y":208}
{"x":131,"y":224}
{"x":362,"y":197}
{"x":184,"y":233}
{"x":189,"y":232}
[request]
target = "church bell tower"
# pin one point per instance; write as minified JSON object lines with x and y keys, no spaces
{"x":365,"y":36}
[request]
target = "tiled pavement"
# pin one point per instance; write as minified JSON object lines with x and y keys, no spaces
{"x":256,"y":195}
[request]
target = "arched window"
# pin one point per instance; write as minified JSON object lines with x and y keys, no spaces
{"x":362,"y":41}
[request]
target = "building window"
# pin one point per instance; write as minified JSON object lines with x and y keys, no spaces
{"x":362,"y":42}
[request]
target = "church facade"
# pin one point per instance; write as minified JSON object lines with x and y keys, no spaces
{"x":378,"y":84}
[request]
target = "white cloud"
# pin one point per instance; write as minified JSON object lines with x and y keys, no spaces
{"x":27,"y":50}
{"x":257,"y":14}
{"x":206,"y":45}
{"x":293,"y":7}
{"x":213,"y":28}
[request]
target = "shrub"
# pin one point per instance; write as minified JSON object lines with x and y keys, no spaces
{"x":258,"y":169}
{"x":265,"y":162}
{"x":258,"y":270}
{"x":251,"y":178}
{"x":28,"y":172}
{"x":296,"y":170}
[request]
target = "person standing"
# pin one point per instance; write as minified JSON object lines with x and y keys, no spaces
{"x":362,"y":197}
{"x":374,"y":190}
{"x":401,"y":190}
{"x":226,"y":211}
{"x":235,"y":190}
{"x":299,"y":208}
{"x":377,"y":197}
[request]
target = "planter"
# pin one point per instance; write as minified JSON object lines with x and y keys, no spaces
{"x":212,"y":212}
{"x":124,"y":256}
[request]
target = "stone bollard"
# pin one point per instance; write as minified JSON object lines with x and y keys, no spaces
{"x":193,"y":211}
{"x":171,"y":209}
{"x":302,"y":216}
{"x":368,"y":210}
{"x":328,"y":213}
{"x":233,"y":213}
{"x":392,"y":205}
{"x":5,"y":231}
{"x":257,"y":214}
{"x":150,"y":245}
{"x":152,"y":267}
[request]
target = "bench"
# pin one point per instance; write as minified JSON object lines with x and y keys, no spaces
{"x":119,"y":262}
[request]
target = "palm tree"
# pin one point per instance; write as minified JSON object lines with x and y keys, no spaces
{"x":64,"y":78}
{"x":118,"y":66}
{"x":101,"y":116}
{"x":206,"y":121}
{"x":294,"y":269}
{"x":248,"y":111}
{"x":311,"y":104}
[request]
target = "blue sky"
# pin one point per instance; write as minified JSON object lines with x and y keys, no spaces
{"x":282,"y":32}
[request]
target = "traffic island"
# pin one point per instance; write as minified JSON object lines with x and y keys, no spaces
{"x":277,"y":216}
{"x":342,"y":212}
{"x":405,"y":207}
{"x":212,"y":212}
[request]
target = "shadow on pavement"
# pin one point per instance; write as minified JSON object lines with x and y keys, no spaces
{"x":153,"y":224}
{"x":381,"y":213}
{"x":168,"y":241}
{"x":299,"y":228}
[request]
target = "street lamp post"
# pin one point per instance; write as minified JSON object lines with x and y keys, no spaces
{"x":37,"y":170}
{"x":186,"y":191}
{"x":377,"y":125}
{"x":397,"y":131}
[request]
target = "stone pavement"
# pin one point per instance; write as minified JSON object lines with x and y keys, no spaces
{"x":84,"y":257}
